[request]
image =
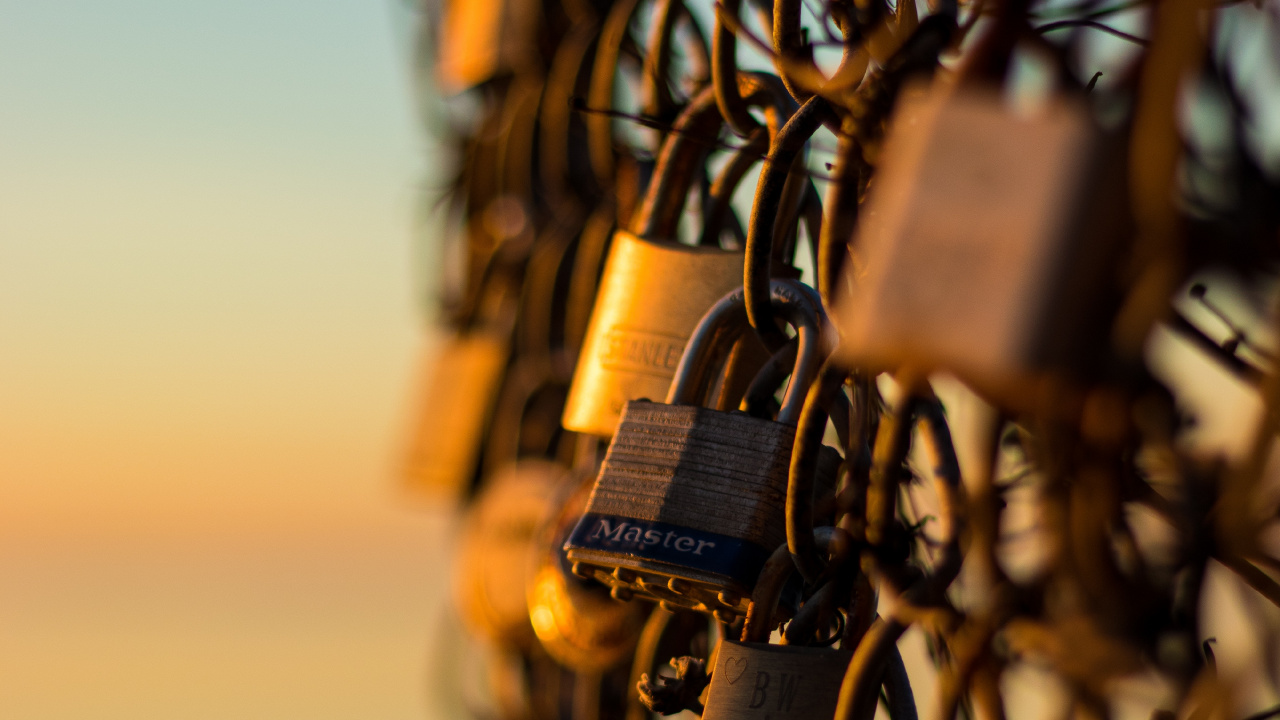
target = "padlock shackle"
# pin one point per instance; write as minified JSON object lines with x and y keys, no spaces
{"x":889,"y":452}
{"x":920,"y":408}
{"x":694,"y":135}
{"x":866,"y":37}
{"x":824,"y":601}
{"x":613,"y":34}
{"x":720,"y":198}
{"x":725,"y":322}
{"x":659,"y":103}
{"x":724,"y":69}
{"x":807,"y":449}
{"x":497,"y":268}
{"x":773,"y":577}
{"x":600,"y":94}
{"x":859,"y":689}
{"x":944,"y":466}
{"x":838,"y":225}
{"x":755,"y":149}
{"x":758,"y":400}
{"x":988,"y":61}
{"x":794,"y":53}
{"x":556,"y":129}
{"x":771,"y":189}
{"x":916,"y":55}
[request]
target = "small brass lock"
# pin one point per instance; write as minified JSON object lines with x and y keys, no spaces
{"x":576,"y":621}
{"x":650,"y":299}
{"x":460,"y":388}
{"x":654,"y":290}
{"x":495,"y":554}
{"x":690,"y":500}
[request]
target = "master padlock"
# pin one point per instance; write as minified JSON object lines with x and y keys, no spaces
{"x":654,"y":290}
{"x":690,"y":501}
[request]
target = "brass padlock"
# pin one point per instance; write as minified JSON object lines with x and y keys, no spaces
{"x":460,"y":388}
{"x":640,"y":324}
{"x":986,"y":243}
{"x":754,"y":679}
{"x":576,"y":621}
{"x":482,"y":39}
{"x":653,"y":290}
{"x":494,"y":562}
{"x":690,"y":501}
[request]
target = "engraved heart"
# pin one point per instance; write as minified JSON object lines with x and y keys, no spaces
{"x":734,"y":668}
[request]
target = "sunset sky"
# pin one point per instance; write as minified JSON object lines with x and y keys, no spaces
{"x":209,"y":326}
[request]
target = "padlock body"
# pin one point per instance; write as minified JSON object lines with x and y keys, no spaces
{"x":460,"y":386}
{"x":985,"y":242}
{"x":576,"y":621}
{"x":481,"y":39}
{"x":688,"y":505}
{"x":493,"y":567}
{"x":778,"y":682}
{"x":651,"y":297}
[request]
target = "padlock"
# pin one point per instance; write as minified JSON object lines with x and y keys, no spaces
{"x":754,"y":679}
{"x":654,"y":290}
{"x":494,"y":563}
{"x":576,"y":621}
{"x":462,"y":381}
{"x":640,"y":324}
{"x":481,"y":39}
{"x":460,"y":388}
{"x":986,"y":243}
{"x":689,"y":501}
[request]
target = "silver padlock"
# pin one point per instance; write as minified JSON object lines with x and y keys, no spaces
{"x":690,"y":501}
{"x":653,"y":289}
{"x":754,"y":679}
{"x":986,"y":242}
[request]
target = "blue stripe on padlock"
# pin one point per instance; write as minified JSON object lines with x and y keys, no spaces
{"x":674,"y":544}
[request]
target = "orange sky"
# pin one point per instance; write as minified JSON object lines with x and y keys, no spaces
{"x":208,"y":330}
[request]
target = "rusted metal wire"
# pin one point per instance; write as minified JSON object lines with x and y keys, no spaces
{"x":546,"y":181}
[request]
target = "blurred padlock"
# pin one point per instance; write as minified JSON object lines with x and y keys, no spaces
{"x":460,"y":388}
{"x":754,"y":679}
{"x":575,"y":619}
{"x":987,"y":240}
{"x":654,"y":290}
{"x":494,"y":563}
{"x":690,"y":500}
{"x":479,"y":40}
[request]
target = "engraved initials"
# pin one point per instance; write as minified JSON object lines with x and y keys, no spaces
{"x":758,"y":695}
{"x":787,"y":691}
{"x":788,"y":688}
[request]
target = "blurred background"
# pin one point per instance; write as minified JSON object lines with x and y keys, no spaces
{"x":208,"y":324}
{"x":211,"y":327}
